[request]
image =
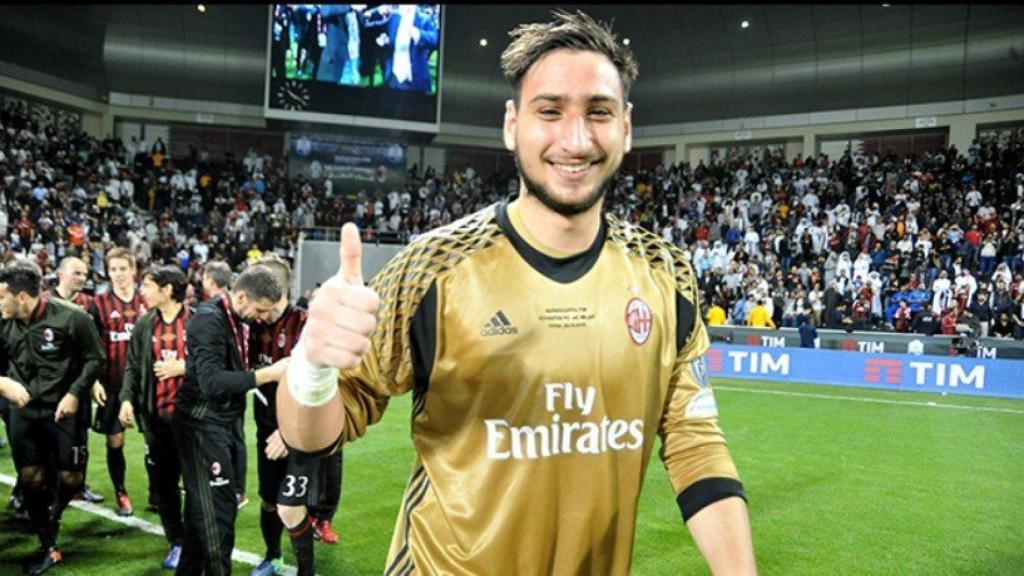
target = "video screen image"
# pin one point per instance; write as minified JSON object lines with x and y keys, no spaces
{"x":361,"y":45}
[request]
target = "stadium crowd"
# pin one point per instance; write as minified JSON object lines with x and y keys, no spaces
{"x":843,"y":242}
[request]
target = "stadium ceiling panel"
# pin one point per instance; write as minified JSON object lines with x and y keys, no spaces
{"x":697,"y":63}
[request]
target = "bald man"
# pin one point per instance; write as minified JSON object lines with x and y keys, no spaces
{"x":72,"y":274}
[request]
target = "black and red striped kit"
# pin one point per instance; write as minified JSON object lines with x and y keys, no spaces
{"x":268,"y":344}
{"x":168,"y":344}
{"x":115,"y":320}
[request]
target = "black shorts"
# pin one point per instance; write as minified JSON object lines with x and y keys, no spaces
{"x":106,"y":421}
{"x":294,"y":480}
{"x":84,"y":413}
{"x":36,"y":439}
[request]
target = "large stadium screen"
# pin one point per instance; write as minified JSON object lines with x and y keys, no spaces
{"x":373,"y":65}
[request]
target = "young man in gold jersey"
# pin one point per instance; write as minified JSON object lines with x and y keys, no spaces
{"x":531,"y":448}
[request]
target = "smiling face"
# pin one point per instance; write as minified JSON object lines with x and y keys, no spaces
{"x":570,"y":130}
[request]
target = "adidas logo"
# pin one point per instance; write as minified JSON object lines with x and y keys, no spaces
{"x":498,"y":325}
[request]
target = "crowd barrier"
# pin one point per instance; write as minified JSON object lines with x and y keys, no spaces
{"x":872,"y":342}
{"x":952,"y":375}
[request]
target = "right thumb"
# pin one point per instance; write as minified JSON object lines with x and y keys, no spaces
{"x":351,"y":255}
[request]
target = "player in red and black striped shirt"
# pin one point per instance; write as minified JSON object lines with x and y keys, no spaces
{"x":116,"y":313}
{"x":154,"y":372}
{"x":291,"y":488}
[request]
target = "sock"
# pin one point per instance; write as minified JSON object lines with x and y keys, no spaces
{"x":65,"y":494}
{"x":37,"y":502}
{"x":302,"y":544}
{"x":116,"y":466}
{"x":154,"y":496}
{"x":271,"y":527}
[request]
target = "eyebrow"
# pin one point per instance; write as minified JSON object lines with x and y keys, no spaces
{"x":597,"y":98}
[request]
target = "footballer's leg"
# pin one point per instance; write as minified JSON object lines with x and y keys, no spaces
{"x":300,"y":481}
{"x":270,"y":474}
{"x":167,"y":471}
{"x":210,"y":503}
{"x":107,"y":423}
{"x":239,"y":461}
{"x":84,"y":417}
{"x":324,"y":510}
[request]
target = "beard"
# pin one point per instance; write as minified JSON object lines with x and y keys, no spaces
{"x":567,"y":209}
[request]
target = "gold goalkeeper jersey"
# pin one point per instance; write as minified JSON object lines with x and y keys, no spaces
{"x":539,"y":384}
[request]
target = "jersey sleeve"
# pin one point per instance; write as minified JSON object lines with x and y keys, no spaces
{"x":91,"y":353}
{"x":402,"y":347}
{"x":387,"y":369}
{"x":694,"y":449}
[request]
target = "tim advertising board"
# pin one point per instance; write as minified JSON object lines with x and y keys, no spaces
{"x":954,"y":375}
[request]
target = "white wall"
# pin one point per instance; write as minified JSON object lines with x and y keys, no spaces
{"x":425,"y":156}
{"x":434,"y":157}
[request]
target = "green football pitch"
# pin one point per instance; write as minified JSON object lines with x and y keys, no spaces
{"x":840,"y":481}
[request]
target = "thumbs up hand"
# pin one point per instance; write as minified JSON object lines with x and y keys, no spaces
{"x":342,"y":316}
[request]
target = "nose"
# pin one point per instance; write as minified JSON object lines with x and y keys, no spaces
{"x":577,"y":140}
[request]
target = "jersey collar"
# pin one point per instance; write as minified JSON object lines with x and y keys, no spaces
{"x":563,"y":270}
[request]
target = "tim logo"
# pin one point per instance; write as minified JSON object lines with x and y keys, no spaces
{"x":759,"y":363}
{"x":639,"y":320}
{"x":879,"y":369}
{"x":713,"y":358}
{"x":951,"y":375}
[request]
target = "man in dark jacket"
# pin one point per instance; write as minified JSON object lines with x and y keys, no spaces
{"x":154,"y":371}
{"x":51,"y":354}
{"x":207,"y":408}
{"x":808,"y":333}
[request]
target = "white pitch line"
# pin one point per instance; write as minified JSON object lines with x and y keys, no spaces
{"x":151,"y":528}
{"x":874,"y":400}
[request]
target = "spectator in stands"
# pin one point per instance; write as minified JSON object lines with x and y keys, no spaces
{"x":760,"y":317}
{"x":716,"y":314}
{"x":902,"y":317}
{"x":1002,"y":327}
{"x":808,"y":332}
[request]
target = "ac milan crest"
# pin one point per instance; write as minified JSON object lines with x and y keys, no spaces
{"x":48,"y":335}
{"x":639,"y":320}
{"x":215,"y":468}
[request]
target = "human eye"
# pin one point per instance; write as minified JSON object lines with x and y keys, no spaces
{"x":548,"y":113}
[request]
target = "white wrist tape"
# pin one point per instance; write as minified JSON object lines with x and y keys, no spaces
{"x":310,"y":385}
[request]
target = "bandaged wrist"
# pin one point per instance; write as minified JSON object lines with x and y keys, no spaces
{"x":309,"y":384}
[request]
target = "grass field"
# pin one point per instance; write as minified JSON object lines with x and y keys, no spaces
{"x":840,"y":481}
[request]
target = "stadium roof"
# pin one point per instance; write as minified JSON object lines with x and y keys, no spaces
{"x":696,"y":61}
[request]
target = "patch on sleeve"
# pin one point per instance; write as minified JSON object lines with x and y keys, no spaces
{"x":703,"y":404}
{"x":700,"y":373}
